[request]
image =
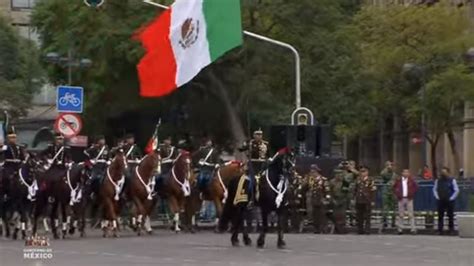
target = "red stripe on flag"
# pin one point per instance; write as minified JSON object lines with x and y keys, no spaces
{"x":157,"y":69}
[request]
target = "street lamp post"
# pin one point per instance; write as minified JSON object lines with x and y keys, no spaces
{"x":68,"y":62}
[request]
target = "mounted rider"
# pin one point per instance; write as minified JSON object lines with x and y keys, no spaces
{"x":133,"y":154}
{"x":57,"y":154}
{"x":14,"y":155}
{"x":258,"y":153}
{"x":208,"y":161}
{"x":168,"y":154}
{"x":98,"y":156}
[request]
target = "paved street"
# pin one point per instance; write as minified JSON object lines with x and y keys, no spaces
{"x":166,"y":248}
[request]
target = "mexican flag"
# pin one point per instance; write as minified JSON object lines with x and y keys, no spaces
{"x":183,"y":40}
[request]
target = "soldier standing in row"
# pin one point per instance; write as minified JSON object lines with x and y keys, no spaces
{"x":350,"y":176}
{"x":340,"y":194}
{"x":320,"y":195}
{"x":388,"y":177}
{"x":364,"y":195}
{"x":298,"y":207}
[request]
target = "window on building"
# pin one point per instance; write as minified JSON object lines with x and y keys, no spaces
{"x":23,"y":4}
{"x":26,"y":31}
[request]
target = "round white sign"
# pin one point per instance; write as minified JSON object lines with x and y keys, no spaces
{"x":69,"y":125}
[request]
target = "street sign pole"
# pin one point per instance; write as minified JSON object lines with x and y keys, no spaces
{"x":272,"y":41}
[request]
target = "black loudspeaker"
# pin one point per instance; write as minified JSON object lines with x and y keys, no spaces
{"x":304,"y":139}
{"x":324,"y":140}
{"x":278,"y":137}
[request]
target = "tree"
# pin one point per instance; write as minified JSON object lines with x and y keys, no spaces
{"x":430,"y":39}
{"x":249,"y":87}
{"x":20,"y":73}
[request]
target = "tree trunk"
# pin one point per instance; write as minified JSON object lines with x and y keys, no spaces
{"x":454,"y":150}
{"x":235,"y":124}
{"x":434,"y":165}
{"x":382,"y":143}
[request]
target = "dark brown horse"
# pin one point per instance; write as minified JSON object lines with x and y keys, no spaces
{"x":216,"y":190}
{"x":22,"y":190}
{"x":109,"y":193}
{"x":176,"y":185}
{"x":140,"y":191}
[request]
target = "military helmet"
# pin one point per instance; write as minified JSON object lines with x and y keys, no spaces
{"x":258,"y":132}
{"x":11,"y":132}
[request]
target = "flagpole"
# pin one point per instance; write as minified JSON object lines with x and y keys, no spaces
{"x":272,"y":41}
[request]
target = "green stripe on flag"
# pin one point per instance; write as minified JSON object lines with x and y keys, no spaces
{"x":224,"y":25}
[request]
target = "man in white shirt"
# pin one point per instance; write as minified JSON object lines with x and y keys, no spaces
{"x":405,"y":188}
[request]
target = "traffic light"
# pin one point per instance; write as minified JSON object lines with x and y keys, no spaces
{"x":301,"y":133}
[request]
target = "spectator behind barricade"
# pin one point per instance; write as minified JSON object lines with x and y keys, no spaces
{"x":427,"y":174}
{"x":445,"y":190}
{"x":405,"y":188}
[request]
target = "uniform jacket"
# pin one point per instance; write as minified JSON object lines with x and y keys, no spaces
{"x":132,"y":152}
{"x":62,"y":157}
{"x":93,"y":153}
{"x":338,"y":192}
{"x":398,"y":188}
{"x":208,"y":157}
{"x":14,"y":155}
{"x":364,"y":190}
{"x":257,"y":150}
{"x":319,"y":189}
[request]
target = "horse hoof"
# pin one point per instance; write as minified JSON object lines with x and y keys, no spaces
{"x":72,"y":231}
{"x":83,"y":234}
{"x":281,"y":244}
{"x":235,"y":242}
{"x":116,"y":235}
{"x":260,"y":243}
{"x":150,"y":232}
{"x":247,"y":241}
{"x":55,"y":236}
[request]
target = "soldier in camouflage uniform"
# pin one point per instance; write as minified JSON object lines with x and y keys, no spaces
{"x":318,"y":186}
{"x":388,"y":177}
{"x":298,"y":188}
{"x":364,"y":196}
{"x":339,"y":195}
{"x":350,"y":176}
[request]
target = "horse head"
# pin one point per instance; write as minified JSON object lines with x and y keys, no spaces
{"x":31,"y":167}
{"x":283,"y":161}
{"x":183,"y":163}
{"x":234,"y":168}
{"x":119,"y":163}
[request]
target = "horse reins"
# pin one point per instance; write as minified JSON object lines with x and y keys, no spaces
{"x":76,"y":193}
{"x":185,"y":187}
{"x":118,"y":186}
{"x":31,"y":188}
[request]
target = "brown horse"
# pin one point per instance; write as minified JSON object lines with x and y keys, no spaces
{"x":176,"y":185}
{"x":109,"y":192}
{"x":140,"y":190}
{"x":216,"y":190}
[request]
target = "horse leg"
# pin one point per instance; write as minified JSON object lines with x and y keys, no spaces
{"x":263,"y":228}
{"x":108,"y":216}
{"x":54,"y":218}
{"x":218,"y":205}
{"x":235,"y":227}
{"x":174,"y":208}
{"x":23,"y":217}
{"x":148,"y":208}
{"x":140,"y":213}
{"x":245,"y":227}
{"x":281,"y":215}
{"x":65,"y":218}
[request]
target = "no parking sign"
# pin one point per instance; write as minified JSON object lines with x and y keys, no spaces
{"x":69,"y":125}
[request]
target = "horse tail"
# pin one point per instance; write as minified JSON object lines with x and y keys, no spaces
{"x":229,"y":210}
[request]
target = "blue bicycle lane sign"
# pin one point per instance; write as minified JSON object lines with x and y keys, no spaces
{"x":70,"y":99}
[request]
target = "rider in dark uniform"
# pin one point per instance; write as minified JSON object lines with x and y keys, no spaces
{"x":132,"y":153}
{"x":257,"y":153}
{"x":98,"y":155}
{"x":14,"y":155}
{"x":57,"y":154}
{"x":168,"y":154}
{"x":208,"y":160}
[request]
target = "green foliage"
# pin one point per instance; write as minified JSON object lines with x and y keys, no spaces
{"x":431,"y":39}
{"x":20,"y":72}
